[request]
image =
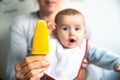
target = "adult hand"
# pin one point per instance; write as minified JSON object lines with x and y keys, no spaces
{"x":31,"y":68}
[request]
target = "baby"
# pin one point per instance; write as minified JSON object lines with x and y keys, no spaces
{"x":69,"y":48}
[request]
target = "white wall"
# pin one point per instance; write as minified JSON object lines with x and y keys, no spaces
{"x":103,"y":17}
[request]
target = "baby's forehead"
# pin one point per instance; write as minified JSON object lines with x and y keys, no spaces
{"x":71,"y":18}
{"x":63,"y":15}
{"x":67,"y":12}
{"x":78,"y":16}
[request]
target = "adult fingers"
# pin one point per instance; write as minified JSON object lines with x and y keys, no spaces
{"x":28,"y":60}
{"x":35,"y":65}
{"x":31,"y":69}
{"x":33,"y":73}
{"x":37,"y":77}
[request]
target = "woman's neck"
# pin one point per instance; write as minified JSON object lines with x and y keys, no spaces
{"x":47,"y":17}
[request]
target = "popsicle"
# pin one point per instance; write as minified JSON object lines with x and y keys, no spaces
{"x":40,"y":43}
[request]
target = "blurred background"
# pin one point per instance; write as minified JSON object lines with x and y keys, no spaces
{"x":103,"y":17}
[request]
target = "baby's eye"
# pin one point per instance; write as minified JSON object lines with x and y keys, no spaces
{"x":77,"y":29}
{"x":65,"y":28}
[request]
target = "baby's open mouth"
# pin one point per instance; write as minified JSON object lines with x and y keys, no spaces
{"x":71,"y":40}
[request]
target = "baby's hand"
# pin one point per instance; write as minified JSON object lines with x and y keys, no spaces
{"x":51,"y":26}
{"x":118,"y":68}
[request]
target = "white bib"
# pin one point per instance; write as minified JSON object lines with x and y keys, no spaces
{"x":65,"y":63}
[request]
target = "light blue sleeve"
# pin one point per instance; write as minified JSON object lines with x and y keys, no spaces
{"x":102,"y":57}
{"x":17,"y":47}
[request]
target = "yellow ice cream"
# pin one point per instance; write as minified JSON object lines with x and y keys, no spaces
{"x":40,"y":44}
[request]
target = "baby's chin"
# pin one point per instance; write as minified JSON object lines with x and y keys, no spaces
{"x":71,"y":46}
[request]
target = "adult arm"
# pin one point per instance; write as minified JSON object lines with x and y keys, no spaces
{"x":17,"y":47}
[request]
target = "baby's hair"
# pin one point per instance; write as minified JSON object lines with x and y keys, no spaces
{"x":68,"y":11}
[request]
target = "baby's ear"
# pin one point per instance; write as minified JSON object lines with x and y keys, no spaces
{"x":85,"y":31}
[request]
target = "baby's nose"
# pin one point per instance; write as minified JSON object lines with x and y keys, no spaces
{"x":72,"y":32}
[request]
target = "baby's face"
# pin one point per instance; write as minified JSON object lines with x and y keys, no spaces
{"x":71,"y":30}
